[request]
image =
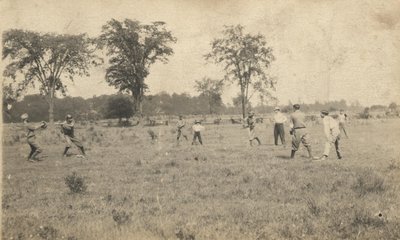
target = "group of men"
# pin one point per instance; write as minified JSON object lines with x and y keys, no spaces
{"x":67,"y":130}
{"x":298,"y":130}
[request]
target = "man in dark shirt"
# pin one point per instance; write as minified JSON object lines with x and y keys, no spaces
{"x":31,"y":137}
{"x":67,"y":128}
{"x":299,"y":131}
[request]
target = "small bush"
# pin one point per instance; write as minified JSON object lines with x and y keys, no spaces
{"x":120,"y":217}
{"x":368,"y":182}
{"x":75,"y":183}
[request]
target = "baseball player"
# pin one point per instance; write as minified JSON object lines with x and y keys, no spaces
{"x":180,"y":125}
{"x":299,"y":131}
{"x":31,"y":137}
{"x":197,"y":128}
{"x":332,"y":134}
{"x":67,"y":129}
{"x":342,"y":122}
{"x":279,"y":129}
{"x":251,"y":124}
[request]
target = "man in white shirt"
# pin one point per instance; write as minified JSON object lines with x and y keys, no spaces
{"x":332,"y":134}
{"x":342,"y":122}
{"x":197,"y":128}
{"x":279,"y":130}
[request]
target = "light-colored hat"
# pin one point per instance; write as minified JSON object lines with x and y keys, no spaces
{"x":24,"y":116}
{"x":197,"y":121}
{"x":277,"y":109}
{"x":324,"y":112}
{"x":68,"y":116}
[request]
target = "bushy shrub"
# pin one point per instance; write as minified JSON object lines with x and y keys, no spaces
{"x":75,"y":183}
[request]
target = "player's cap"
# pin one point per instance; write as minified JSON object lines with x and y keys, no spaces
{"x":277,"y":109}
{"x":251,"y":113}
{"x":296,"y":106}
{"x":197,"y":121}
{"x":68,"y":116}
{"x":324,"y":112}
{"x":24,"y":116}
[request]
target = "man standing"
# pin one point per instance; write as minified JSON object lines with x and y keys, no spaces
{"x":342,"y":121}
{"x":180,"y":125}
{"x":251,"y":124}
{"x":67,"y":128}
{"x":332,"y":134}
{"x":197,"y":128}
{"x":31,"y":137}
{"x":279,"y":130}
{"x":299,"y":131}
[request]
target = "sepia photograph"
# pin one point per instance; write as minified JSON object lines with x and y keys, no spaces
{"x":200,"y":119}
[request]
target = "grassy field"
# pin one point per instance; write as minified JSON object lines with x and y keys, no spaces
{"x":139,"y":189}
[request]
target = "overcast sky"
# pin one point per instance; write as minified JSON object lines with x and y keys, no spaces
{"x":325,"y":50}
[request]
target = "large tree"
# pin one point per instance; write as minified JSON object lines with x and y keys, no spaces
{"x":46,"y":60}
{"x":133,"y":47}
{"x":212,"y":90}
{"x":246,"y":59}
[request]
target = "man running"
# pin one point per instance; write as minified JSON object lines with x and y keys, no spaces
{"x":332,"y":134}
{"x":31,"y":137}
{"x":67,"y":129}
{"x":299,"y":131}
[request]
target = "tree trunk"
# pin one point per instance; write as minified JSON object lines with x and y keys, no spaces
{"x":51,"y":107}
{"x":243,"y":105}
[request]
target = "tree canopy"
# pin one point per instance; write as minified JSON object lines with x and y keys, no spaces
{"x":46,"y":60}
{"x":133,"y":47}
{"x":246,"y":59}
{"x":212,"y":90}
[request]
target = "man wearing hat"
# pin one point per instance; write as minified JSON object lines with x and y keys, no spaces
{"x":251,"y":124}
{"x":197,"y":128}
{"x":299,"y":131}
{"x":279,"y":130}
{"x":180,"y":125}
{"x":67,"y":129}
{"x":332,"y":134}
{"x":31,"y":137}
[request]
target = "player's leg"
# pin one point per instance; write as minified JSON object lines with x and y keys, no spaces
{"x":295,"y":143}
{"x":276,"y":133}
{"x":282,"y":134}
{"x":339,"y":155}
{"x":68,"y":145}
{"x":78,"y":144}
{"x":305,"y":139}
{"x":33,"y":150}
{"x":199,"y":137}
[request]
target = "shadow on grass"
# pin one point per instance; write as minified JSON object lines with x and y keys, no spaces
{"x":286,"y":157}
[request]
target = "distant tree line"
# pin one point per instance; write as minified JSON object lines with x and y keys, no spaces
{"x":120,"y":106}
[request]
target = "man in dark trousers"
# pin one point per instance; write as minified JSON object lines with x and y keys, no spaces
{"x":299,"y":131}
{"x":279,"y":129}
{"x":197,"y":128}
{"x":31,"y":137}
{"x":179,"y":127}
{"x":251,"y":124}
{"x":67,"y":128}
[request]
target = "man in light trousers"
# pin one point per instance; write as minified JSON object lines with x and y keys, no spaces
{"x":332,"y":134}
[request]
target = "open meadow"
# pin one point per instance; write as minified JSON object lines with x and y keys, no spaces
{"x":137,"y":188}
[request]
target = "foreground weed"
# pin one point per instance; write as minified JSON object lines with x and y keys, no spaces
{"x":75,"y":183}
